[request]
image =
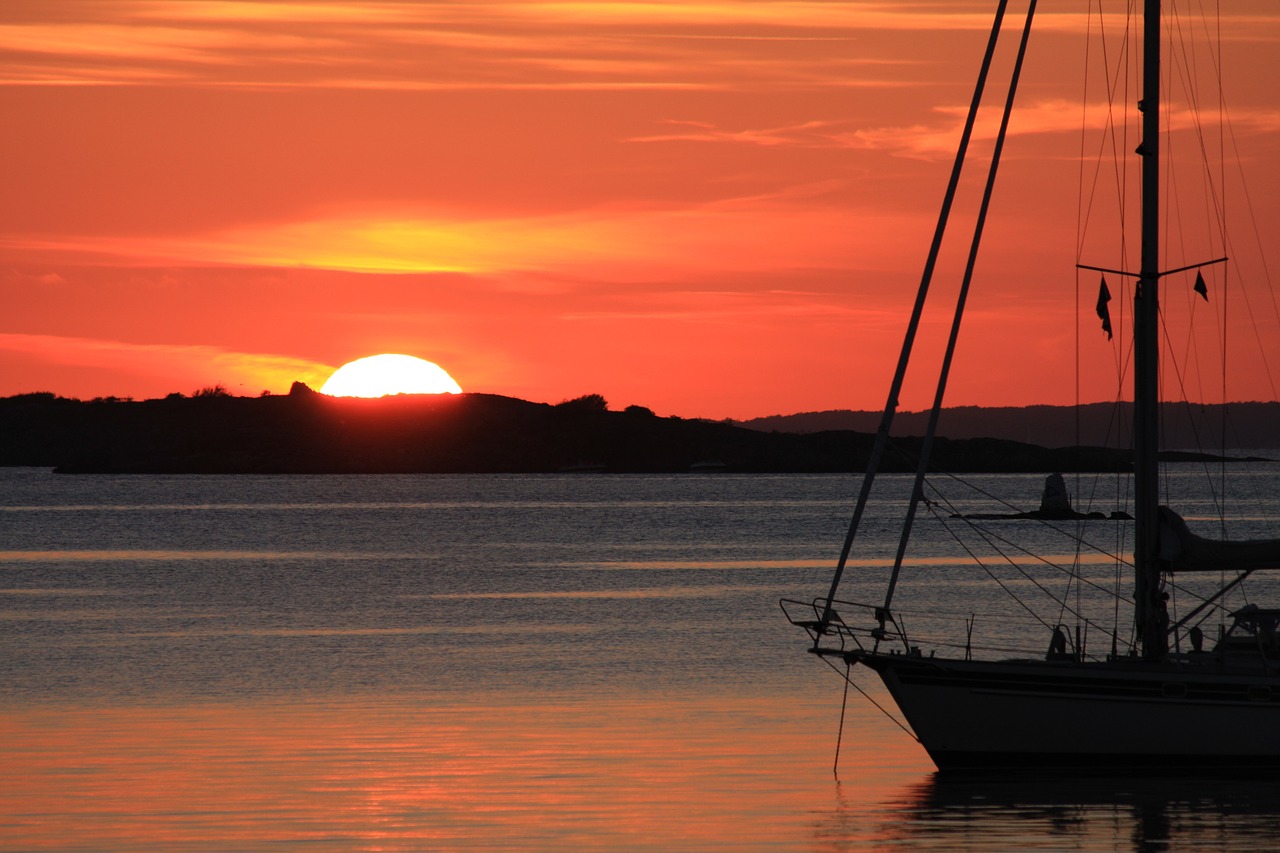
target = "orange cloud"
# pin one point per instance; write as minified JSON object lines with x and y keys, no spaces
{"x":401,"y":45}
{"x":787,"y":231}
{"x":253,"y":371}
{"x":409,"y":45}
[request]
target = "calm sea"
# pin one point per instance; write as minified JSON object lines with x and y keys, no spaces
{"x":586,"y":662}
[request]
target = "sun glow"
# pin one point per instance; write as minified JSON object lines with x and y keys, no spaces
{"x":380,"y":375}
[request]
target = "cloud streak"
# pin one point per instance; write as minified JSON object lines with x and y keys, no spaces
{"x":254,"y":371}
{"x":928,"y":142}
{"x":791,"y":230}
{"x":409,"y":45}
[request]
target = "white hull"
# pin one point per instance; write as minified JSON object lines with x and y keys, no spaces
{"x":989,"y":714}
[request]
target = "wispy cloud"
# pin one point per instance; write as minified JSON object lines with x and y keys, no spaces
{"x":930,"y":141}
{"x":791,"y":229}
{"x":805,"y":134}
{"x":495,"y":44}
{"x":736,"y":307}
{"x":254,"y":371}
{"x":407,"y":45}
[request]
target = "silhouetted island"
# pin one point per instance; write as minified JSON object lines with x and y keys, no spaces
{"x":1250,"y":425}
{"x":310,"y":433}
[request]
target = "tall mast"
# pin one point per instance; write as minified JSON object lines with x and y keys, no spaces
{"x":1152,"y":619}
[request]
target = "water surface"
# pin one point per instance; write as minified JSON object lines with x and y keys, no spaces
{"x":493,"y":662}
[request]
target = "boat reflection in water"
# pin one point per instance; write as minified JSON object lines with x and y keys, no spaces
{"x":1236,"y":814}
{"x":955,"y":812}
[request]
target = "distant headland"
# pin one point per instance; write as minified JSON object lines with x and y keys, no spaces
{"x":305,"y":432}
{"x":1251,"y":425}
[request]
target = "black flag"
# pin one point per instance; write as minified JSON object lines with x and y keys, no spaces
{"x":1104,"y":314}
{"x":1201,"y":288}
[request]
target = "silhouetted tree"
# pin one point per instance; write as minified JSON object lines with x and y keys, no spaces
{"x":212,"y":391}
{"x":34,"y":397}
{"x":586,"y":403}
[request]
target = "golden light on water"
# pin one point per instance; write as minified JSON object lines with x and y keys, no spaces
{"x":683,"y":772}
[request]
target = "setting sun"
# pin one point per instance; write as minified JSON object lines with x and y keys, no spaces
{"x":380,"y":375}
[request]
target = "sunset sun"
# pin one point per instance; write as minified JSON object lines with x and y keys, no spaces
{"x":380,"y":375}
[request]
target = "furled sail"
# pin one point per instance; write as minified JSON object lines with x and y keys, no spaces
{"x":1187,"y":552}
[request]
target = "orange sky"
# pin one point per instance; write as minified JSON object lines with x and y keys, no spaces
{"x":714,"y":209}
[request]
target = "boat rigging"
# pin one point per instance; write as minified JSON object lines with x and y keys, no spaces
{"x":1132,"y":706}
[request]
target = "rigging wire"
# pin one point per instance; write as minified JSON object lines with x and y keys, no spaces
{"x":1112,"y":141}
{"x":1004,"y":547}
{"x":844,"y":703}
{"x":1216,"y":212}
{"x":990,"y":538}
{"x":1190,"y":61}
{"x":849,"y":682}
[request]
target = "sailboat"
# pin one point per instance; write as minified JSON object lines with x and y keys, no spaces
{"x":1170,"y":700}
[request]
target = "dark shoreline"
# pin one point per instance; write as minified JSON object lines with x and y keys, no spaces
{"x":309,"y":433}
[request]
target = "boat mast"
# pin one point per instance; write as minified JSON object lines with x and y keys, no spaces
{"x":1150,"y":614}
{"x":904,"y":357}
